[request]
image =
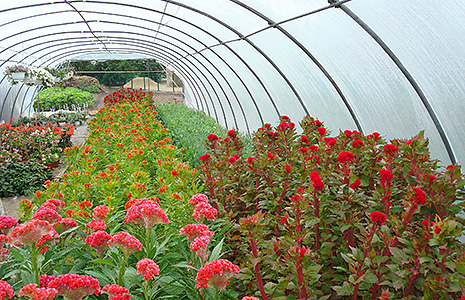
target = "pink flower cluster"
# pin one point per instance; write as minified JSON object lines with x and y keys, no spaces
{"x":116,"y":292}
{"x":6,"y":290}
{"x":99,"y":241}
{"x":75,"y":287}
{"x":148,"y":268}
{"x":126,"y":242}
{"x":216,"y":274}
{"x":34,"y":293}
{"x":200,"y":236}
{"x":100,"y":212}
{"x":31,"y":232}
{"x":145,"y":212}
{"x":202,"y":208}
{"x":6,"y":223}
{"x":96,"y":225}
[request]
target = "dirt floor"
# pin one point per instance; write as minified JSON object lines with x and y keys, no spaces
{"x":9,"y":206}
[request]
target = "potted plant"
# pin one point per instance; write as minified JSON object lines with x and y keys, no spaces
{"x":16,"y":73}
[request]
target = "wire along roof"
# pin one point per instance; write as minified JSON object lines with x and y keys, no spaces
{"x":396,"y":67}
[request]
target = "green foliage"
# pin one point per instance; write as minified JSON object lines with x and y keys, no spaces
{"x":56,"y":98}
{"x":89,"y":88}
{"x":190,"y":129}
{"x":22,"y":178}
{"x":115,"y":79}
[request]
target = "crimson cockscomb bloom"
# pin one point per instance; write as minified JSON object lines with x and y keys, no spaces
{"x":59,"y":204}
{"x":194,"y":200}
{"x":330,"y":141}
{"x":386,"y":176}
{"x":100,"y":212}
{"x":200,"y":245}
{"x":321,"y":131}
{"x":44,"y":240}
{"x":99,"y":241}
{"x":250,"y":298}
{"x":357,"y":144}
{"x":126,"y":242}
{"x":75,"y":287}
{"x":6,"y":290}
{"x":216,"y":274}
{"x":356,"y":184}
{"x":148,"y":268}
{"x":204,"y":210}
{"x":390,"y":149}
{"x":420,"y":196}
{"x":345,"y":156}
{"x":34,"y":293}
{"x":47,"y":214}
{"x":195,"y":230}
{"x":113,"y":289}
{"x":30,"y":232}
{"x":96,"y":225}
{"x":6,"y":222}
{"x":304,"y":139}
{"x":147,"y":214}
{"x":318,"y":185}
{"x":377,"y":217}
{"x":44,"y":280}
{"x":204,"y":158}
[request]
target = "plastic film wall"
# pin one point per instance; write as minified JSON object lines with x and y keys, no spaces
{"x":396,"y":67}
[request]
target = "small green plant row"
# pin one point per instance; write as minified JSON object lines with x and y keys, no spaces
{"x":190,"y":129}
{"x":56,"y":98}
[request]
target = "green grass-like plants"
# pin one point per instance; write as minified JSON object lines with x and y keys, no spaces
{"x":69,"y":98}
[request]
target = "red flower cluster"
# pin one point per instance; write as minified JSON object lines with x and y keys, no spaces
{"x":54,"y":204}
{"x":233,"y":158}
{"x":386,"y":176}
{"x":318,"y":185}
{"x":97,"y":225}
{"x":205,"y":157}
{"x":47,"y":214}
{"x":250,"y":298}
{"x":3,"y":240}
{"x":216,"y":274}
{"x":420,"y":196}
{"x":330,"y":141}
{"x":377,"y":217}
{"x":304,"y":139}
{"x":6,"y":290}
{"x":345,"y":156}
{"x":6,"y":222}
{"x":126,"y":242}
{"x":100,"y":212}
{"x":99,"y":241}
{"x":203,"y":209}
{"x":212,"y":137}
{"x":195,"y":230}
{"x":114,"y":290}
{"x":44,"y":280}
{"x":30,"y":232}
{"x":66,"y":224}
{"x":146,"y":212}
{"x":321,"y":131}
{"x":357,"y":144}
{"x":194,"y":200}
{"x":34,"y":293}
{"x":44,"y":240}
{"x":148,"y":268}
{"x":390,"y":149}
{"x":356,"y":184}
{"x":75,"y":287}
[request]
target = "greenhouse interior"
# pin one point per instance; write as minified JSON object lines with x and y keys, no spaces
{"x":232,"y":149}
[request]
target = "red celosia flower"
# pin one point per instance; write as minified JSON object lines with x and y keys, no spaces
{"x":99,"y":241}
{"x":84,"y":214}
{"x":34,"y":293}
{"x":47,"y":214}
{"x":345,"y":156}
{"x":30,"y":232}
{"x":386,"y":176}
{"x":377,"y":217}
{"x":27,"y":290}
{"x":70,"y":212}
{"x":25,"y":205}
{"x":137,"y":202}
{"x":113,"y":289}
{"x":271,"y":155}
{"x":318,"y":185}
{"x":356,"y":184}
{"x":250,"y":298}
{"x":148,"y":268}
{"x":59,"y":204}
{"x":195,"y":230}
{"x":304,"y":139}
{"x":174,"y":173}
{"x":3,"y":240}
{"x":200,"y":245}
{"x":330,"y":141}
{"x":205,"y":157}
{"x":233,"y":158}
{"x":203,"y":209}
{"x":44,"y":280}
{"x":6,"y":222}
{"x":97,"y":225}
{"x":420,"y":196}
{"x":194,"y":200}
{"x":357,"y":144}
{"x":216,"y":274}
{"x":120,"y":297}
{"x":437,"y":230}
{"x":85,"y":204}
{"x":148,"y":214}
{"x":75,"y":287}
{"x":288,"y":168}
{"x":390,"y":148}
{"x":6,"y":290}
{"x":126,"y":242}
{"x":212,"y":137}
{"x":250,"y":159}
{"x":100,"y":212}
{"x":45,"y":240}
{"x":231,"y":133}
{"x":321,"y":130}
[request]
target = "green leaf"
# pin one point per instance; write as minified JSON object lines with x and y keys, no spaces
{"x":216,"y":253}
{"x":345,"y":290}
{"x":103,"y":261}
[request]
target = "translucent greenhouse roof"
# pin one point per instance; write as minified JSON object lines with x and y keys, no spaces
{"x":396,"y":67}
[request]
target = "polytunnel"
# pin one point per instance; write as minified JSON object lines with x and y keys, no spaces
{"x":395,"y":67}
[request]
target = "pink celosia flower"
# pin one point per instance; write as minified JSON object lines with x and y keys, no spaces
{"x":100,"y":212}
{"x":126,"y":242}
{"x":99,"y":241}
{"x":377,"y":217}
{"x":250,"y":298}
{"x":120,"y":297}
{"x":45,"y":240}
{"x":30,"y":232}
{"x":194,"y":200}
{"x":97,"y":225}
{"x":216,"y":274}
{"x":148,"y":268}
{"x":345,"y":156}
{"x":318,"y":185}
{"x":44,"y":280}
{"x":203,"y":209}
{"x":138,"y":202}
{"x":386,"y":176}
{"x":34,"y":293}
{"x":6,"y":222}
{"x":3,"y":240}
{"x":66,"y":224}
{"x":75,"y":287}
{"x":6,"y":290}
{"x":200,"y":245}
{"x":59,"y":204}
{"x":113,"y":289}
{"x":47,"y":214}
{"x":195,"y":230}
{"x":147,"y":214}
{"x":420,"y":196}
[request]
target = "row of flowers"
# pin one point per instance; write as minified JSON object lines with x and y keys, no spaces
{"x":346,"y":216}
{"x":121,"y":216}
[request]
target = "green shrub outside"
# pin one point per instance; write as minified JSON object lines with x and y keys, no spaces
{"x":22,"y":178}
{"x":190,"y":129}
{"x":56,"y":98}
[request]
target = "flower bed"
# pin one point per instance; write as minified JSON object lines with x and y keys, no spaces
{"x":349,"y":216}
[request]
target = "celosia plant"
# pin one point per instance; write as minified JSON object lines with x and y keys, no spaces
{"x":75,"y":287}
